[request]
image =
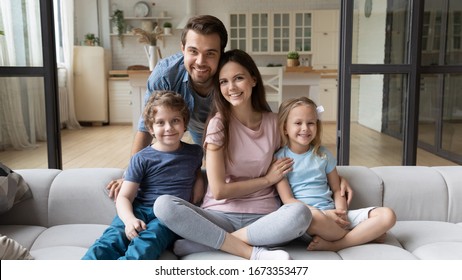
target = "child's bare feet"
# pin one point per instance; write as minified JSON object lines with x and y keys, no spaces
{"x":319,"y":244}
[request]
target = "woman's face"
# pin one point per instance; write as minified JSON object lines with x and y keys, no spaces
{"x":236,"y":84}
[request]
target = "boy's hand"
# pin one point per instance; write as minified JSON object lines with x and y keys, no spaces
{"x":133,"y":227}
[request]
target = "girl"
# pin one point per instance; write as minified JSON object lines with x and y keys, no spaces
{"x":314,"y":181}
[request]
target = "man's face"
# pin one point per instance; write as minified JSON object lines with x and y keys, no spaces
{"x":201,"y":57}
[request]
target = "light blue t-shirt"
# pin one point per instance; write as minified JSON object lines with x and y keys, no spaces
{"x":159,"y":173}
{"x":170,"y":74}
{"x":308,"y":179}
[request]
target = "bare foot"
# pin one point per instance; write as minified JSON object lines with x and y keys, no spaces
{"x":319,"y":244}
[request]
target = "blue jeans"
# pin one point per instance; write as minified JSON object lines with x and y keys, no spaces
{"x":150,"y":243}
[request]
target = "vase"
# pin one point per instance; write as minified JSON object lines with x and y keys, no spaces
{"x":151,"y":53}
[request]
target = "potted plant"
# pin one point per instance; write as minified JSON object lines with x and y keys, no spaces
{"x":91,"y":40}
{"x":292,"y":59}
{"x":167,"y":28}
{"x":119,"y":24}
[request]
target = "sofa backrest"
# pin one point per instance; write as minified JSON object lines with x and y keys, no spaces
{"x":453,"y":177}
{"x":79,"y":196}
{"x":366,"y":185}
{"x":414,"y":192}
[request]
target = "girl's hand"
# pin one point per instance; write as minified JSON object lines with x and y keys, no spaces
{"x":133,"y":227}
{"x":278,"y":169}
{"x":340,"y":217}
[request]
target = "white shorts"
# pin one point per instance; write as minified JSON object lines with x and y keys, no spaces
{"x":355,"y":217}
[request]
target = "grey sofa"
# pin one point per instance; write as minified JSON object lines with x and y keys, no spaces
{"x":70,"y":209}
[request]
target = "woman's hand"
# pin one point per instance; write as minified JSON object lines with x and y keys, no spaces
{"x":133,"y":227}
{"x":278,"y":169}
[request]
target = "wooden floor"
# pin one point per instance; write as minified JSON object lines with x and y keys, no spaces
{"x":109,"y":146}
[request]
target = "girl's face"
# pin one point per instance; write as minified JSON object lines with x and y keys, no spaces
{"x":301,"y":128}
{"x":236,"y":83}
{"x":168,"y":129}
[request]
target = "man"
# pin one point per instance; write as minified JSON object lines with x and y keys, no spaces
{"x":190,"y":73}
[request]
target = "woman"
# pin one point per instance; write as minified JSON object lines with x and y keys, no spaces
{"x":241,"y":212}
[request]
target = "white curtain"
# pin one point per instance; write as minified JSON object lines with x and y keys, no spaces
{"x":67,"y":35}
{"x":22,"y":100}
{"x":18,"y":105}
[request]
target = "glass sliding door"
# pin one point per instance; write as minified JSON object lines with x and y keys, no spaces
{"x":440,"y":108}
{"x":29,"y":137}
{"x":399,"y":102}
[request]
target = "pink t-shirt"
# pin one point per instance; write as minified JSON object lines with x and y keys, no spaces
{"x":252,"y":153}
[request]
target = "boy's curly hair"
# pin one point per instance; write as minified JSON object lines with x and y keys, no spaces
{"x":167,"y":99}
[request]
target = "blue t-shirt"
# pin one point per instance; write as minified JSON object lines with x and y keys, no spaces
{"x":308,"y":179}
{"x":170,"y":74}
{"x":159,"y":173}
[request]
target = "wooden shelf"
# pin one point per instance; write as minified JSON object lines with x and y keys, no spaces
{"x":303,"y":69}
{"x":145,"y":18}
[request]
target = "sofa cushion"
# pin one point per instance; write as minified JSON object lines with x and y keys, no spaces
{"x":440,"y":251}
{"x":76,"y":253}
{"x":374,"y":251}
{"x":59,"y":253}
{"x":24,"y":235}
{"x":414,"y":234}
{"x":76,"y":235}
{"x":79,"y":196}
{"x":414,"y":192}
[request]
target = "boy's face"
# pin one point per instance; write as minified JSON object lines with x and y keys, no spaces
{"x":301,"y":128}
{"x":168,"y":129}
{"x":201,"y":57}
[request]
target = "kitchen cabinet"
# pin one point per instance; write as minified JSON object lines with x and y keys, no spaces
{"x":271,"y":33}
{"x":238,"y":32}
{"x":325,"y":39}
{"x":120,"y":101}
{"x":138,"y":80}
{"x":327,"y":97}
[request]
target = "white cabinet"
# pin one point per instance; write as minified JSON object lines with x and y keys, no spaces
{"x":138,"y":82}
{"x":120,"y":101}
{"x":328,"y":99}
{"x":325,"y":39}
{"x":271,"y":33}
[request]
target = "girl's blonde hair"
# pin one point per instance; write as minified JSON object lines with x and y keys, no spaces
{"x":283,"y":115}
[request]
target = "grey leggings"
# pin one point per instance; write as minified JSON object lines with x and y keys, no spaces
{"x":208,"y":227}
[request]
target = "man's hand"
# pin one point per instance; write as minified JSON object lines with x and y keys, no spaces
{"x":114,"y":188}
{"x":345,"y":190}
